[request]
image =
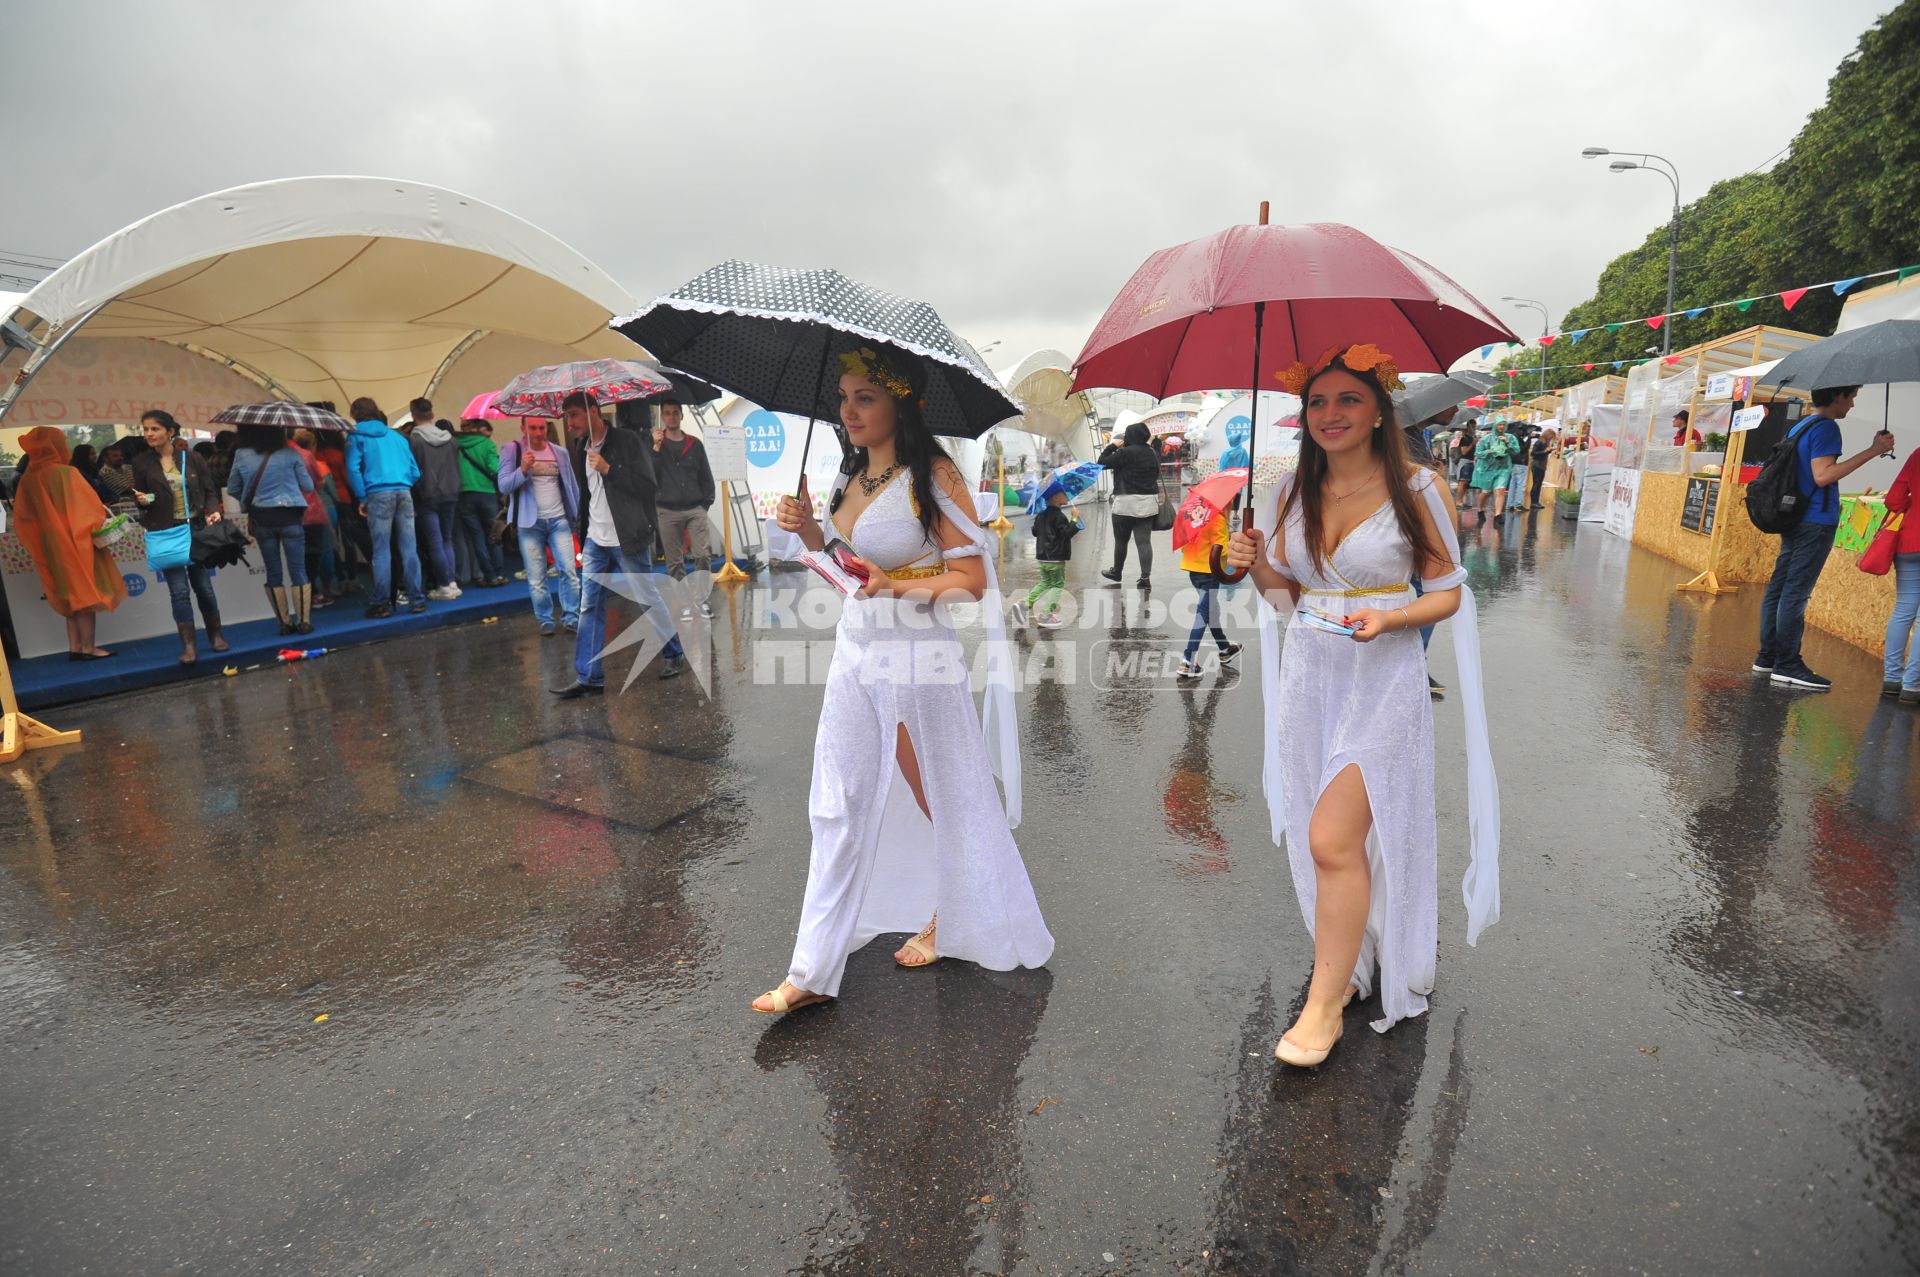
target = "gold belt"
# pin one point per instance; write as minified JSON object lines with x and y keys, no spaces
{"x":1361,"y":594}
{"x":915,"y":574}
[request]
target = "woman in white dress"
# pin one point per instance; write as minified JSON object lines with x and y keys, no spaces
{"x":907,"y":826}
{"x":1349,"y":769}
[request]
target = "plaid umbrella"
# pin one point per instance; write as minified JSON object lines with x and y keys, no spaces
{"x":281,"y":414}
{"x":541,"y":392}
{"x":770,"y":335}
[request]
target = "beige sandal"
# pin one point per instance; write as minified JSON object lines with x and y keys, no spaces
{"x":921,"y":947}
{"x":780,"y":1004}
{"x":1288,"y":1052}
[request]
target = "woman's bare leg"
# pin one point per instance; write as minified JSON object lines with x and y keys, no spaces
{"x":1337,"y":835}
{"x":910,"y":769}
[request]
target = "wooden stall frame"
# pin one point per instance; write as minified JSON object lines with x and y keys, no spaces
{"x":20,"y":732}
{"x":1708,"y":582}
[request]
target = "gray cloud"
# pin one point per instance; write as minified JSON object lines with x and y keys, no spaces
{"x":1011,"y":163}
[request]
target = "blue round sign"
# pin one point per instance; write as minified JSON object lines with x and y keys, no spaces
{"x":766,"y":438}
{"x":136,"y":585}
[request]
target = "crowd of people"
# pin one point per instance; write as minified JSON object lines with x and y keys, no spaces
{"x":403,"y":514}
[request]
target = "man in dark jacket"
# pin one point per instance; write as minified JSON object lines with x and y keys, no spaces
{"x":435,"y":494}
{"x":1136,"y":499}
{"x":686,"y":491}
{"x":613,"y":471}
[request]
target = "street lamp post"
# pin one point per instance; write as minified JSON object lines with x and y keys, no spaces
{"x":1672,"y":174}
{"x":1546,"y":326}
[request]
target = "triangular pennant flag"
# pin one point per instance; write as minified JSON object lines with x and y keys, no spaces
{"x":1904,"y":272}
{"x":1546,"y":339}
{"x":1614,"y":328}
{"x":1696,"y":312}
{"x":1513,"y":372}
{"x":1672,"y":360}
{"x":1744,"y":306}
{"x":1654,"y":321}
{"x":1840,"y":289}
{"x":1618,"y":362}
{"x":1485,"y":351}
{"x":1578,"y":333}
{"x":1588,"y":367}
{"x":1792,"y":297}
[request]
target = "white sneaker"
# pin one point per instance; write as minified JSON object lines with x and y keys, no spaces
{"x":439,"y":594}
{"x":1019,"y":615}
{"x":452,"y":590}
{"x":1188,"y":669}
{"x":400,"y":598}
{"x":1051,"y":621}
{"x":706,"y":610}
{"x":686,"y":614}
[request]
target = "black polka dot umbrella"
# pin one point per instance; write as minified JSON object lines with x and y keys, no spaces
{"x":772,"y":335}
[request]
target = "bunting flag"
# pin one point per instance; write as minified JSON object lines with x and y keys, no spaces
{"x":1588,"y":367}
{"x":1789,"y":298}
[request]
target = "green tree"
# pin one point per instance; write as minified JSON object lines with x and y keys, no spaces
{"x":1844,"y":201}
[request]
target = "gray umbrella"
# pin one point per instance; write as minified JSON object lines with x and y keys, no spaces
{"x":1885,"y":352}
{"x":1434,"y":395}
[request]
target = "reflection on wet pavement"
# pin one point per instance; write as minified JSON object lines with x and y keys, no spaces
{"x":392,"y":963}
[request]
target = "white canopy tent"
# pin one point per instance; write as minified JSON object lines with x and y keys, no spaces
{"x":329,"y":288}
{"x":1042,"y":384}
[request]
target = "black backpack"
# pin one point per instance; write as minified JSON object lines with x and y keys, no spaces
{"x":1774,"y":500}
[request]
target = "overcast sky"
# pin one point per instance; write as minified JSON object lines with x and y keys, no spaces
{"x":1010,"y":163}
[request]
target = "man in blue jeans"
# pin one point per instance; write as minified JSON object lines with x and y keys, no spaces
{"x":544,"y":500}
{"x":381,"y":472}
{"x":614,"y":471}
{"x":1804,"y":549}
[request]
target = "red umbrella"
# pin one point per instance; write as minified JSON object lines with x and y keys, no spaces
{"x":1205,"y":501}
{"x":1193,"y":317}
{"x":1185,"y":321}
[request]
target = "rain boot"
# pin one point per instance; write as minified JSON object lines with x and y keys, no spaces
{"x":188,"y":653}
{"x":216,"y":638}
{"x":302,"y":608}
{"x":279,"y":608}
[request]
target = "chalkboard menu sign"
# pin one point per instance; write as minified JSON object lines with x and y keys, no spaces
{"x":1696,"y":514}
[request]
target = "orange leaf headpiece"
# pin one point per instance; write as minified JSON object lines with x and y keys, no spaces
{"x":1362,"y":357}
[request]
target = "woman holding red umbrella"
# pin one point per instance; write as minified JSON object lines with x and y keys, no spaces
{"x":1349,"y":730}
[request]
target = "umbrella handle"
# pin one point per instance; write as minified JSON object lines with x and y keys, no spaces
{"x":1219,"y":568}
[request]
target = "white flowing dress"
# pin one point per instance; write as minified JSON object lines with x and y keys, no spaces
{"x":878,"y":864}
{"x":1332,"y":703}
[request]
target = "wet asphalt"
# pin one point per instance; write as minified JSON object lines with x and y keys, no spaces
{"x":391,"y":963}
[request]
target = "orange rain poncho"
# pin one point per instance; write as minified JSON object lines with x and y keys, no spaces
{"x":56,"y":514}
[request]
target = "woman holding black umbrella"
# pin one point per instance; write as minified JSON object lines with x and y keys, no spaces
{"x":1349,"y":726}
{"x":905,"y":823}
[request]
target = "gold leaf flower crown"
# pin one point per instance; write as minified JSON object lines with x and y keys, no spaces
{"x":1359,"y":358}
{"x":866,"y":362}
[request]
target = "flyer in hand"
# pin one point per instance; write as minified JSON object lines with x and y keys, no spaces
{"x":828,"y":563}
